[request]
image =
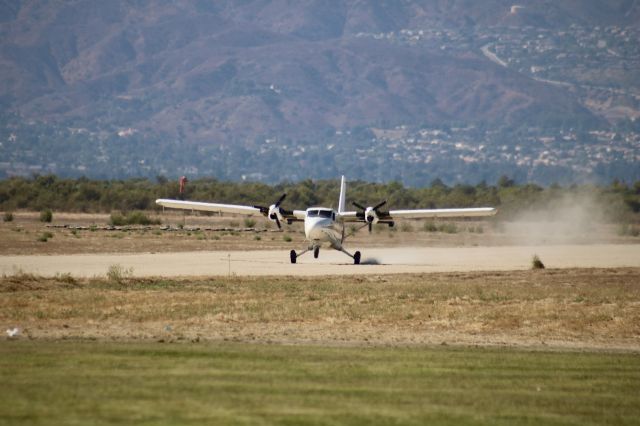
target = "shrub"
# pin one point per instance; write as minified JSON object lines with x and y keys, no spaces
{"x":287,"y":238}
{"x":46,"y":216}
{"x":429,"y":227}
{"x":132,"y":218}
{"x":536,"y":263}
{"x":249,"y":223}
{"x":66,"y":278}
{"x":118,"y":274}
{"x":628,"y":230}
{"x":406,"y":227}
{"x":44,"y":237}
{"x":449,"y":228}
{"x":8,"y":217}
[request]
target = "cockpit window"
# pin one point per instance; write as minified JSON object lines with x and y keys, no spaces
{"x":328,"y":214}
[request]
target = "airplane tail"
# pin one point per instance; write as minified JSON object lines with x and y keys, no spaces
{"x":343,"y":193}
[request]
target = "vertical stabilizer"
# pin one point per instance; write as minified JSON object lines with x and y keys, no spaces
{"x":343,"y":194}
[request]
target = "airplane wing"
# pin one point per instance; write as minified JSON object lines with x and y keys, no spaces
{"x":377,"y":216}
{"x":208,"y":207}
{"x":290,"y":216}
{"x":433,"y":213}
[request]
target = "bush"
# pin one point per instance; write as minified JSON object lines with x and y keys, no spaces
{"x":8,"y":217}
{"x":132,"y":218}
{"x":406,"y":227}
{"x":628,"y":230}
{"x":430,"y":227}
{"x":118,"y":274}
{"x":249,"y":223}
{"x":449,"y":228}
{"x":287,"y":238}
{"x":536,"y":263}
{"x":66,"y":278}
{"x":46,"y":216}
{"x":44,"y":237}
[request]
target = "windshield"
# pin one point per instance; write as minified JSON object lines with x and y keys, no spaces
{"x":320,"y":213}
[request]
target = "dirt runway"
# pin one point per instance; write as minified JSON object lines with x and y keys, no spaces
{"x":376,"y":261}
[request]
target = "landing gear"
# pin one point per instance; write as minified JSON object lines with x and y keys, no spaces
{"x":316,"y":252}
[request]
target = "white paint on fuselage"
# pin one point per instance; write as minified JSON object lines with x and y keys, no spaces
{"x":320,"y":226}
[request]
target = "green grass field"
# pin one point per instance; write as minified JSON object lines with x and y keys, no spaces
{"x":76,"y":382}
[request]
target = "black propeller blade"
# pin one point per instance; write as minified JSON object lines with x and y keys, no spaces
{"x":380,"y":205}
{"x":361,"y":215}
{"x":282,"y":197}
{"x":265,"y":210}
{"x":360,"y":206}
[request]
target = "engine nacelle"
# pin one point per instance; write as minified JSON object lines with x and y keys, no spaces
{"x":275,"y":214}
{"x":371,"y":216}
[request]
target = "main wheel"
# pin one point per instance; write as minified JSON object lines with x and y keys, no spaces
{"x":356,"y":258}
{"x":293,"y":256}
{"x":316,"y":252}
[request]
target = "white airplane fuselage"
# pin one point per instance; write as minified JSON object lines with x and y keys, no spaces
{"x":321,"y":226}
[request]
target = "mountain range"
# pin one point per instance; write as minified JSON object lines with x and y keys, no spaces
{"x":174,"y":82}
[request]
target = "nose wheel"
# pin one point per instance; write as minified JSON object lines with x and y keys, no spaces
{"x":356,"y":258}
{"x":316,"y":252}
{"x":293,"y":256}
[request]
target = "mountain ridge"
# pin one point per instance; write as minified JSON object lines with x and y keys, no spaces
{"x":227,"y":73}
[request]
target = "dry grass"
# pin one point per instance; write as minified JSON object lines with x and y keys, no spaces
{"x":582,"y":308}
{"x":19,"y":237}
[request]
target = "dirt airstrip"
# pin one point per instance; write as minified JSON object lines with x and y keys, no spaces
{"x":216,"y":281}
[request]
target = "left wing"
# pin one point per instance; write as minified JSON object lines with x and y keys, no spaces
{"x":374,"y":215}
{"x":433,"y":213}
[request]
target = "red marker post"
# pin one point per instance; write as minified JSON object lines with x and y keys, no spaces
{"x":183,"y":183}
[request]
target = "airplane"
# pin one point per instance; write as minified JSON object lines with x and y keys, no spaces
{"x":326,"y":226}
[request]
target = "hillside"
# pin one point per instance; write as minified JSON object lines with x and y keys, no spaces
{"x":191,"y":80}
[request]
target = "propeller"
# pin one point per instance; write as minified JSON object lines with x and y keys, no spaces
{"x":274,"y":212}
{"x":370,"y":214}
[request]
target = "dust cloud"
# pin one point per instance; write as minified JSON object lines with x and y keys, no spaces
{"x":566,"y":219}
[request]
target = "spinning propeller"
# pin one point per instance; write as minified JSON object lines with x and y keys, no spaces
{"x":370,"y":214}
{"x":275,"y":212}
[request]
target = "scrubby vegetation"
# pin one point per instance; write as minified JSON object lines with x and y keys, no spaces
{"x":46,"y":216}
{"x":45,"y":236}
{"x":117,"y":274}
{"x":132,"y":218}
{"x":536,"y":263}
{"x":446,"y":227}
{"x":618,"y":201}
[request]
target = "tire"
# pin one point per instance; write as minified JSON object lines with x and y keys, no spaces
{"x":316,"y":252}
{"x":356,"y":258}
{"x":293,"y":256}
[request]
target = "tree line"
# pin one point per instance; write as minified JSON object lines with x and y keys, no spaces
{"x":619,"y":201}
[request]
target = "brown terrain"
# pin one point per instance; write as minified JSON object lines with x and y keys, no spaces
{"x":466,"y":288}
